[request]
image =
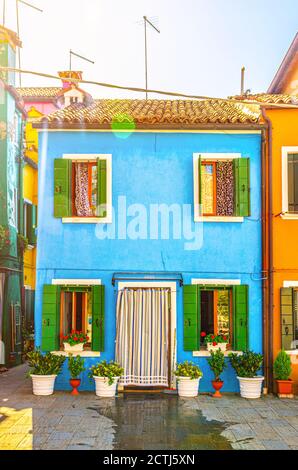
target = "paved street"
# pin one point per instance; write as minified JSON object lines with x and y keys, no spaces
{"x":138,"y":421}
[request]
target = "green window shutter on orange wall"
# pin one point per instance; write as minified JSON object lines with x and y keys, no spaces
{"x":286,"y":317}
{"x":191,"y":317}
{"x":101,"y":188}
{"x":62,"y":187}
{"x":240,"y":317}
{"x":242,"y":187}
{"x":50,"y":317}
{"x":98,"y":311}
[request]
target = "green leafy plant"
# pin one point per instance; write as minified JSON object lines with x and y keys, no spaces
{"x":188,"y":369}
{"x":75,"y":337}
{"x":106,"y":369}
{"x":44,"y":364}
{"x":217,"y":363}
{"x":247,"y":364}
{"x":214,"y":339}
{"x":4,"y":237}
{"x":75,"y":366}
{"x":282,"y":368}
{"x":22,"y":243}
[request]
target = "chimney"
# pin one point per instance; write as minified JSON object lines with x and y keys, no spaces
{"x":70,"y":74}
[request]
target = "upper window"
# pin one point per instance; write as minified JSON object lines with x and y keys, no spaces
{"x":83,"y":189}
{"x":221,"y":186}
{"x":293,"y":182}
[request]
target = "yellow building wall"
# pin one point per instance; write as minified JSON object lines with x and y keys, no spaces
{"x":285,"y":232}
{"x":30,"y":191}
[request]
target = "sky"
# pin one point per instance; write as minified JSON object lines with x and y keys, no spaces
{"x":200,"y":50}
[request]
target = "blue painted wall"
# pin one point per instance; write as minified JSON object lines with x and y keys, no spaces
{"x":150,"y":168}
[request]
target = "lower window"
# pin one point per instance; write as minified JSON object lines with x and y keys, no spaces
{"x":216,"y":312}
{"x":76,"y":314}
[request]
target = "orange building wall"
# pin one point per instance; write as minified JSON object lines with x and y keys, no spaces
{"x":285,"y":232}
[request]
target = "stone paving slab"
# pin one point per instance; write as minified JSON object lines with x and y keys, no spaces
{"x":62,"y":421}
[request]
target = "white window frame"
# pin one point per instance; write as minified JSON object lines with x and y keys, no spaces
{"x":219,"y":282}
{"x":210,"y":156}
{"x":285,"y":182}
{"x":94,"y":220}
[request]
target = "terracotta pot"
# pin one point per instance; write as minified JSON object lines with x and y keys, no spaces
{"x":217,"y":384}
{"x":75,"y":383}
{"x":285,"y":387}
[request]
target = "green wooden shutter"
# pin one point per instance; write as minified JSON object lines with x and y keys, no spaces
{"x":240,"y":317}
{"x":286,"y":317}
{"x":50,"y":317}
{"x":62,"y":187}
{"x":191,"y":317}
{"x":31,"y":223}
{"x":101,"y":188}
{"x":98,"y":303}
{"x":242,"y":189}
{"x":200,"y":183}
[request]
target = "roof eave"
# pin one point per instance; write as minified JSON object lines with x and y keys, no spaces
{"x":275,"y":85}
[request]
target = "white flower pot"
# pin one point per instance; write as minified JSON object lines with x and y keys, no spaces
{"x":102,"y":387}
{"x":250,"y":387}
{"x":221,"y":346}
{"x":75,"y":348}
{"x":43,"y":384}
{"x":188,"y":387}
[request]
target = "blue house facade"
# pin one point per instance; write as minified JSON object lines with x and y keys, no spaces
{"x":149,"y":235}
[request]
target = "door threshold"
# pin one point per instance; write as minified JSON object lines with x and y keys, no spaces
{"x":135,"y":389}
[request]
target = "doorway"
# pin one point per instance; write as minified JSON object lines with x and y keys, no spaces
{"x":146,"y":334}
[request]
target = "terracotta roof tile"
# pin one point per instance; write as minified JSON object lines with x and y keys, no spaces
{"x":270,"y":98}
{"x":39,"y":92}
{"x":103,"y":113}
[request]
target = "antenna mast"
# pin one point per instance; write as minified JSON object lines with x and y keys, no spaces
{"x":18,"y":27}
{"x":146,"y":58}
{"x":71,"y":53}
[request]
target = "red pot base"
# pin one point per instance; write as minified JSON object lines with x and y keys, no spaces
{"x":217,"y":384}
{"x":75,"y":383}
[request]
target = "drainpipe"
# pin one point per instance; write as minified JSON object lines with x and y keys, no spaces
{"x":268,"y":256}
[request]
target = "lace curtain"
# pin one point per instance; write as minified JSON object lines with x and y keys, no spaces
{"x":82,"y":203}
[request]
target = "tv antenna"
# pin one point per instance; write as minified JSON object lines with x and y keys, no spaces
{"x":147,"y":21}
{"x":18,"y":26}
{"x":71,"y":53}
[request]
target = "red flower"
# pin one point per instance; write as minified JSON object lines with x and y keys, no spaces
{"x":75,"y":338}
{"x":212,"y":336}
{"x":87,"y":338}
{"x":214,"y":343}
{"x":224,"y":338}
{"x":72,"y":332}
{"x":203,"y":334}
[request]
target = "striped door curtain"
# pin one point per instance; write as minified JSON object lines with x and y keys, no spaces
{"x":142,"y":340}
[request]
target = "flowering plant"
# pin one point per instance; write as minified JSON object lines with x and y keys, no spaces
{"x":214,"y":339}
{"x":106,"y":369}
{"x":75,"y":337}
{"x":188,"y":369}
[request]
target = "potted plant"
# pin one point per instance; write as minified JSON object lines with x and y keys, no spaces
{"x":74,"y":342}
{"x":75,"y":367}
{"x":106,"y":376}
{"x":215,"y":342}
{"x":188,"y":378}
{"x":217,"y":365}
{"x":246,"y":367}
{"x":43,"y":371}
{"x":282,"y":370}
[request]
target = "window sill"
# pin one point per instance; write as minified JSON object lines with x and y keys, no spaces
{"x":86,"y":220}
{"x":289,"y":216}
{"x":218,"y":219}
{"x":205,"y":353}
{"x":78,"y":353}
{"x":292,"y":352}
{"x":30,"y":247}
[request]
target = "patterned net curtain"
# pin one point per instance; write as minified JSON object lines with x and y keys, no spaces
{"x":82,"y":202}
{"x":225,"y":188}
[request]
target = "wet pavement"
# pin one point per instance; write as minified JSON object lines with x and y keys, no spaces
{"x":141,"y":421}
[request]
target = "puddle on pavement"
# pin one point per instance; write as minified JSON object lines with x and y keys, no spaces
{"x":160,"y":421}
